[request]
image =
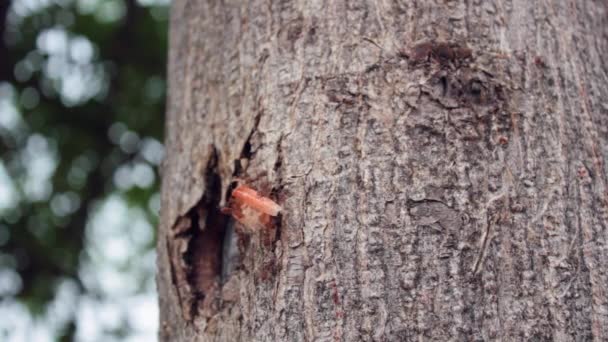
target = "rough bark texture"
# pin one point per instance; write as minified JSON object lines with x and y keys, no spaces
{"x":441,"y":165}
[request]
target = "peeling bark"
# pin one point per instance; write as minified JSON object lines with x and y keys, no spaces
{"x":440,"y":167}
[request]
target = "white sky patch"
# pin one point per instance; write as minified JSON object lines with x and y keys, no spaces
{"x":53,"y":41}
{"x":138,"y":174}
{"x":55,"y":67}
{"x":142,"y":314}
{"x":10,"y":282}
{"x":143,"y":175}
{"x":9,"y":197}
{"x":152,"y":150}
{"x":71,"y":61}
{"x":81,"y":50}
{"x":118,"y":258}
{"x":40,"y":161}
{"x":141,"y":233}
{"x":61,"y":310}
{"x":15,"y":322}
{"x":9,"y":116}
{"x":81,"y":83}
{"x":11,"y":121}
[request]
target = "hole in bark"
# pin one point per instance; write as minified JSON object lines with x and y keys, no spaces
{"x":246,"y":153}
{"x":204,"y":255}
{"x":279,"y":225}
{"x":444,"y":85}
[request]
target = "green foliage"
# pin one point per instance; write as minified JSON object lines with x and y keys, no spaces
{"x":82,"y":91}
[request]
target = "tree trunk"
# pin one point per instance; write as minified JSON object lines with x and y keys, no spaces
{"x":440,"y":165}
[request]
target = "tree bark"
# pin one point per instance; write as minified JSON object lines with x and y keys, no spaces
{"x":440,"y":165}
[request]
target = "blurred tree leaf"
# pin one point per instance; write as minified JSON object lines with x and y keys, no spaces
{"x":87,"y":85}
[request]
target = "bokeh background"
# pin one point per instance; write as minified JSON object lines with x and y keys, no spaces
{"x":82,"y":96}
